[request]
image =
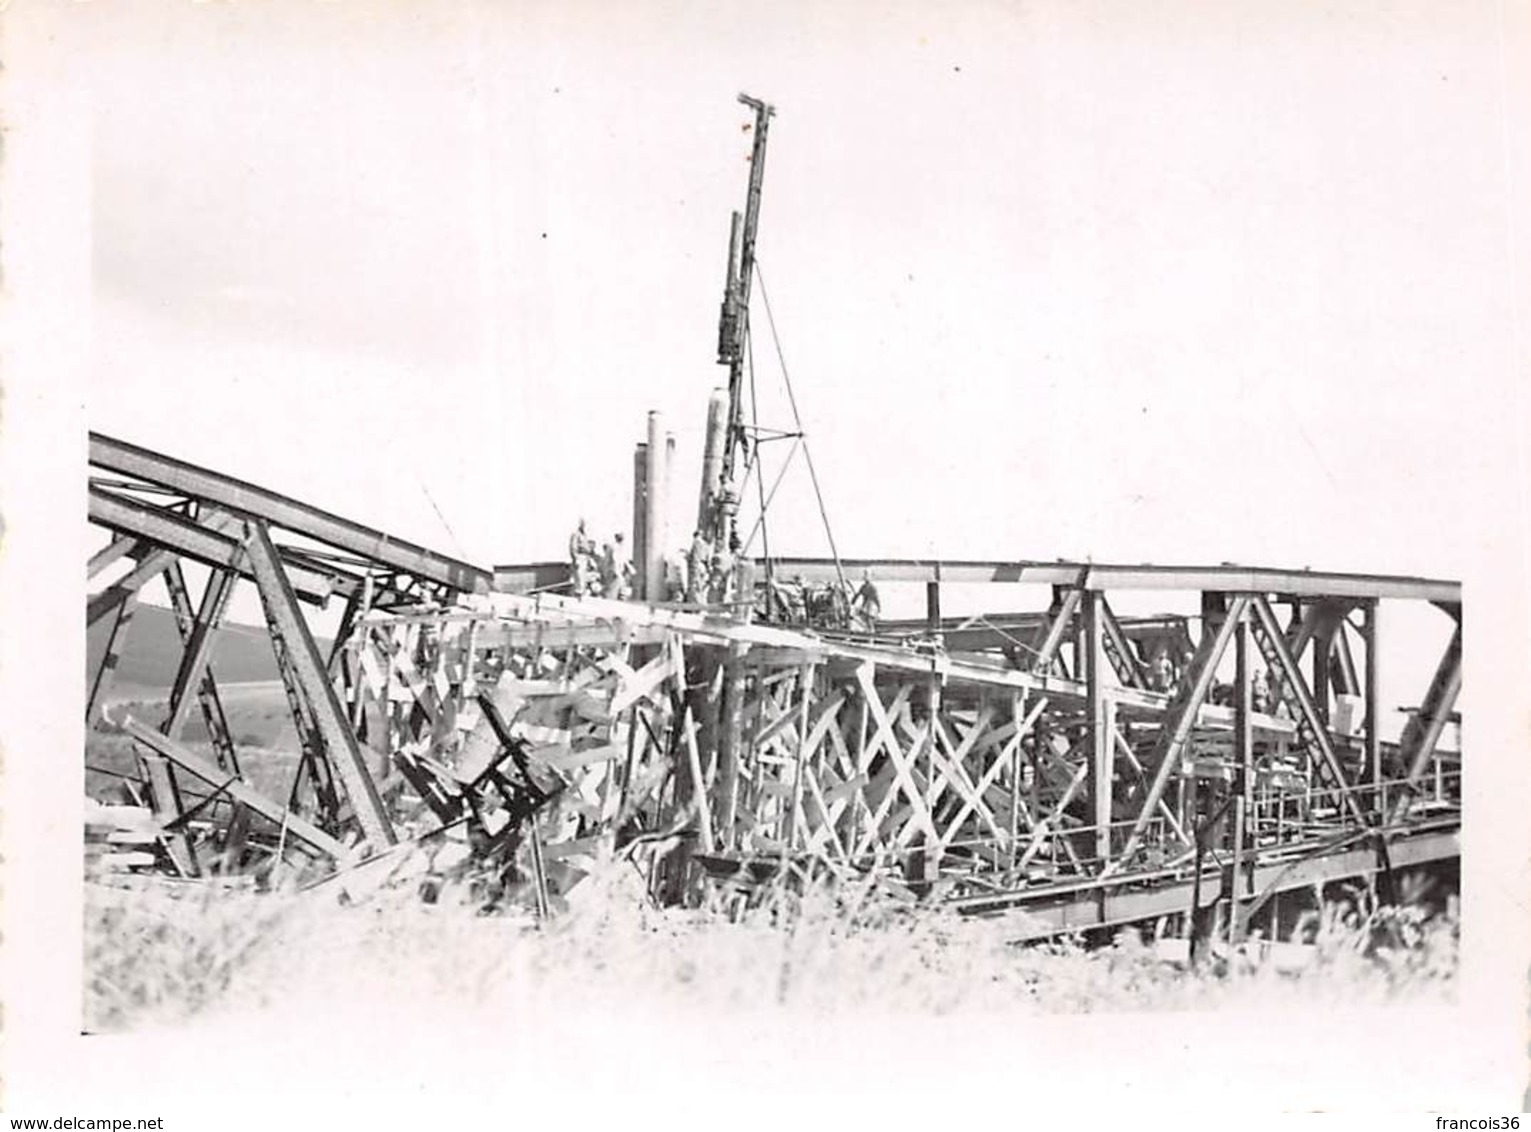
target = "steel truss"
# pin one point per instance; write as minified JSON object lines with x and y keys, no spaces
{"x":1075,"y":786}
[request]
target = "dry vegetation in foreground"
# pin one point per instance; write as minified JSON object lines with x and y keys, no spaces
{"x":155,"y":958}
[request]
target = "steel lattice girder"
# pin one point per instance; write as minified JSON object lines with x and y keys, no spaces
{"x":1045,"y":913}
{"x":1107,"y":577}
{"x":965,"y":771}
{"x":282,"y":512}
{"x":171,"y":532}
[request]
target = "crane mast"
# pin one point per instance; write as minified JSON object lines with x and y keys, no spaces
{"x":720,"y":495}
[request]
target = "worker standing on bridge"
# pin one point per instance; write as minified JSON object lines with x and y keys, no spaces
{"x":610,"y":575}
{"x":582,"y":559}
{"x":868,"y":606}
{"x":1260,"y":693}
{"x":798,"y":600}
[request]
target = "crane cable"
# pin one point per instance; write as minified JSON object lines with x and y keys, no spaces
{"x":798,"y":421}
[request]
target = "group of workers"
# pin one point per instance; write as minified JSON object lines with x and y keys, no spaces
{"x":707,"y":575}
{"x":834,"y":605}
{"x":608,"y":573}
{"x":1164,"y":675}
{"x":700,"y":576}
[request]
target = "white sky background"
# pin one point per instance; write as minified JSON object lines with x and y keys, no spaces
{"x":1171,"y":283}
{"x":1051,"y":280}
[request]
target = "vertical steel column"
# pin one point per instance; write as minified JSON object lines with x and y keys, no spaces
{"x":1323,"y":651}
{"x":1244,"y":745}
{"x":1102,"y":723}
{"x":1373,"y":739}
{"x":934,"y":849}
{"x":640,"y":518}
{"x":655,"y":510}
{"x":668,"y":542}
{"x":1017,"y":717}
{"x":933,"y":608}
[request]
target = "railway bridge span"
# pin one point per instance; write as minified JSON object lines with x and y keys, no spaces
{"x":1056,"y":759}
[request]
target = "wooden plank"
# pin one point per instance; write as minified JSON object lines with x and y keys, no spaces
{"x":830,"y":812}
{"x":167,"y":810}
{"x":643,"y":683}
{"x":699,"y":784}
{"x":902,"y":761}
{"x":989,"y":778}
{"x":956,"y":778}
{"x":884,"y":783}
{"x":577,"y":760}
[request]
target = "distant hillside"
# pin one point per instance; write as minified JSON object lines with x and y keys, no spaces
{"x":153,"y":651}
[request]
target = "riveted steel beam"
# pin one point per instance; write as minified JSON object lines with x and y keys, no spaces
{"x":1105,"y":576}
{"x":1042,"y":914}
{"x":308,"y":666}
{"x":1102,"y":716}
{"x":191,"y":540}
{"x":287,"y":514}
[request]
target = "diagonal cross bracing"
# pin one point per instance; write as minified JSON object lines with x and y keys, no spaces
{"x":1177,"y":728}
{"x":1316,"y":732}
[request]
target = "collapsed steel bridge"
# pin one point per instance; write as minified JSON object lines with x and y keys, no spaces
{"x":1041,"y":760}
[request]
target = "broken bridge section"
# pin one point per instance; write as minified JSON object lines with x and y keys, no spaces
{"x":1072,"y":766}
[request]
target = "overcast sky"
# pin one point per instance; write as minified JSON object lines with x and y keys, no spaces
{"x":1172,"y":283}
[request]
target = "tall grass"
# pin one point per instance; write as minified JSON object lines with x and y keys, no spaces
{"x":157,"y":955}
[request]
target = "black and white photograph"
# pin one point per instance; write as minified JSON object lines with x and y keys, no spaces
{"x":656,"y":562}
